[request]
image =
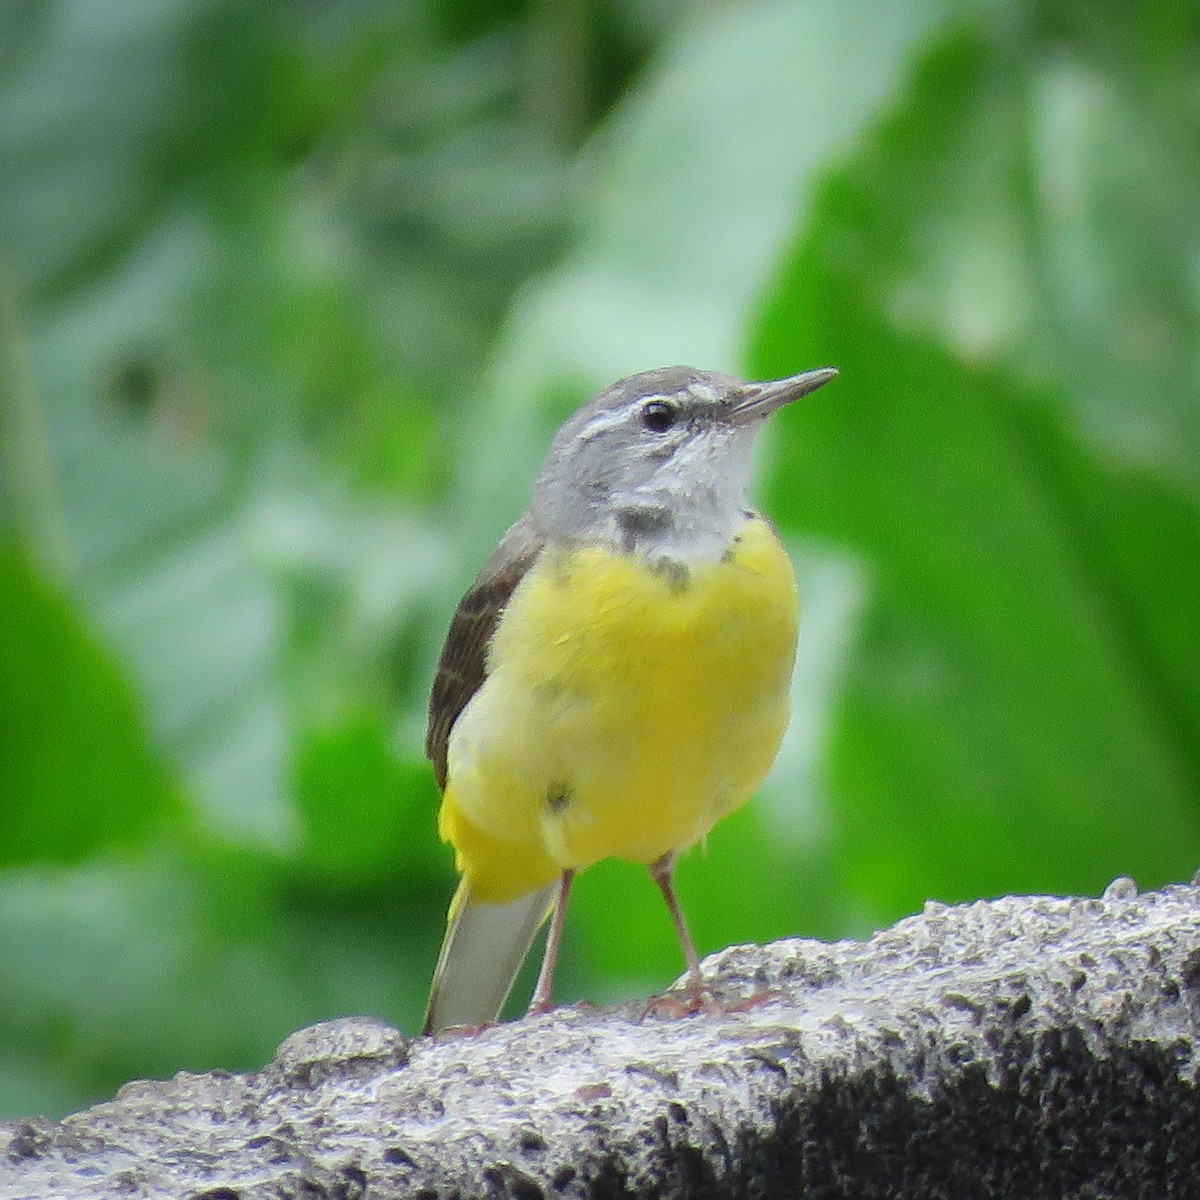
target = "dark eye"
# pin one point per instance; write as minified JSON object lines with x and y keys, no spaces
{"x":658,"y":415}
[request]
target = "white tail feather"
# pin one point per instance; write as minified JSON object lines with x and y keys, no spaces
{"x":484,"y":948}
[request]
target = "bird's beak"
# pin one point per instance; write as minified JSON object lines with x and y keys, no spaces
{"x":758,"y":401}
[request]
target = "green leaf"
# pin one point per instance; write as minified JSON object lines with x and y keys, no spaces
{"x":365,"y":817}
{"x":1021,"y":711}
{"x":77,"y":773}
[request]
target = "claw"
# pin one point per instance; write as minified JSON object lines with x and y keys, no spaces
{"x":686,"y":1004}
{"x":693,"y":1001}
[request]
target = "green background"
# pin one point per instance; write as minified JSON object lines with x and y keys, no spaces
{"x":292,"y":296}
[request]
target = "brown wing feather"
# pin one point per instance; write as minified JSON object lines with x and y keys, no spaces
{"x":463,"y":665}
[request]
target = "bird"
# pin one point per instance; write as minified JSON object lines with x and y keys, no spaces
{"x":617,"y":679}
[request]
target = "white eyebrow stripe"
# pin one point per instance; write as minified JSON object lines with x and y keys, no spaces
{"x":607,"y":419}
{"x":611,"y":417}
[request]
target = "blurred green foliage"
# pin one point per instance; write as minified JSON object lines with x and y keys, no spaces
{"x":292,"y":296}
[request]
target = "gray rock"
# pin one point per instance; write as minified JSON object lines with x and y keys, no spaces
{"x":1023,"y":1047}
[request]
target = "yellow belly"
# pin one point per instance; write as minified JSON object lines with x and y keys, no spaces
{"x":626,"y":710}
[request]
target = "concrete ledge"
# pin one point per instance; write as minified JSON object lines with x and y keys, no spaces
{"x":1023,"y":1047}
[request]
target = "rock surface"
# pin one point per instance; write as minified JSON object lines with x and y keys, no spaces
{"x":1024,"y":1047}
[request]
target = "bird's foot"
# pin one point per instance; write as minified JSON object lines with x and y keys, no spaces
{"x":757,"y":1000}
{"x":538,"y":1008}
{"x":684,"y":1004}
{"x":695,"y":1000}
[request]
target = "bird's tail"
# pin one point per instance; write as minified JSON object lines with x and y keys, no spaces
{"x":484,"y":948}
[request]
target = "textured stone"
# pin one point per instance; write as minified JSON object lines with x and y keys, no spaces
{"x":1023,"y":1047}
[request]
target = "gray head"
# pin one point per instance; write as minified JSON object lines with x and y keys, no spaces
{"x":660,"y":462}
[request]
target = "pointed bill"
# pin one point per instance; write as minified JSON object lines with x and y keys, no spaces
{"x":760,"y":400}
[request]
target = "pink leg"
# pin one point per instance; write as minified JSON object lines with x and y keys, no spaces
{"x":663,"y":873}
{"x":543,"y":1000}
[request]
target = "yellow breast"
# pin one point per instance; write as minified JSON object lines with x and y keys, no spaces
{"x":627,"y":708}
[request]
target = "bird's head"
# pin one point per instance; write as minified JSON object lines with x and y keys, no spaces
{"x":660,"y":462}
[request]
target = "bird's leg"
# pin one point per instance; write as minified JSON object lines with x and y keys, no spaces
{"x":543,"y":999}
{"x":663,"y":873}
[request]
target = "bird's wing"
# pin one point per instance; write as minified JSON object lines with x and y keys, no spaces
{"x":463,"y":665}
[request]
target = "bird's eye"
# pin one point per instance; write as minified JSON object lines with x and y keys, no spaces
{"x":658,"y":416}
